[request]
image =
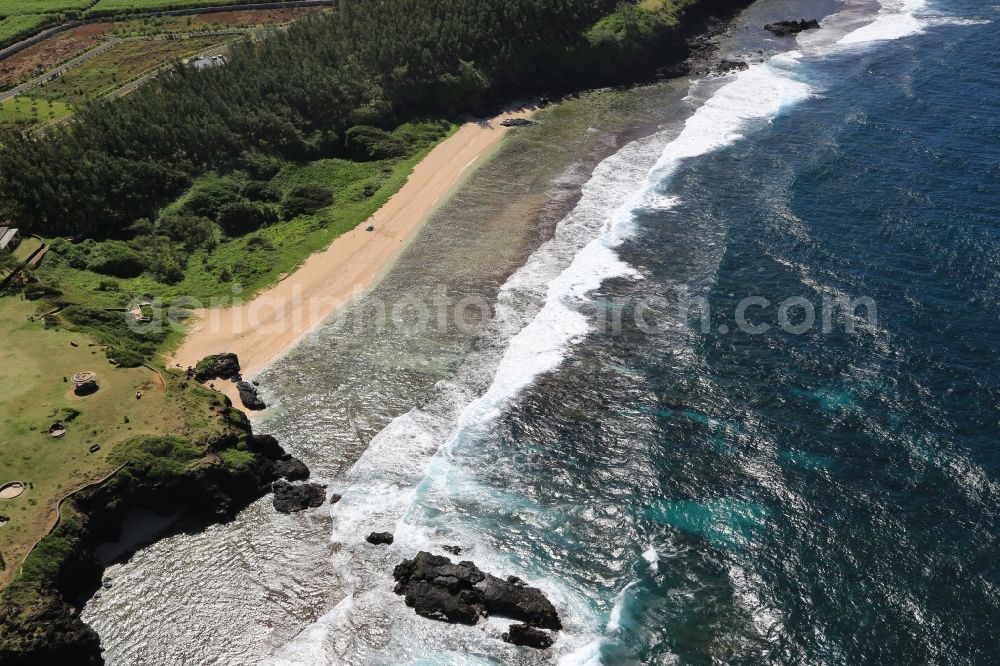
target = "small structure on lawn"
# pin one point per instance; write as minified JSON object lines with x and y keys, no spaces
{"x":207,"y":62}
{"x":85,"y":383}
{"x":11,"y":489}
{"x":139,"y":314}
{"x":10,"y":238}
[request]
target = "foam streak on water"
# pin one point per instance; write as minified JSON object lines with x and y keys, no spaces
{"x":407,"y":470}
{"x":896,"y":19}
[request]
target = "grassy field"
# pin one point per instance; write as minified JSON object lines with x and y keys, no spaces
{"x":13,"y":28}
{"x":55,"y":50}
{"x":40,"y":58}
{"x":33,"y":363}
{"x":25,"y":248}
{"x":113,"y":68}
{"x":20,"y":19}
{"x":15,"y":7}
{"x":134,"y":6}
{"x":97,"y":77}
{"x":24,"y":112}
{"x":244,"y":18}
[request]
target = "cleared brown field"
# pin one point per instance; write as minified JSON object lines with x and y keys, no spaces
{"x":42,"y":57}
{"x":245,"y":17}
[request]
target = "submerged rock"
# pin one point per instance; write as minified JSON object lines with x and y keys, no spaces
{"x":379,"y":538}
{"x":249,"y":397}
{"x":217,"y":366}
{"x":527,"y":636}
{"x":290,"y":498}
{"x":461,"y":593}
{"x":785,"y":28}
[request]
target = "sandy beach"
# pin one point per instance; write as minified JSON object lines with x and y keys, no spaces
{"x":262,"y":329}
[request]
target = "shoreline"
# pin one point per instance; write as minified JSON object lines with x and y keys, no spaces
{"x":261,"y":330}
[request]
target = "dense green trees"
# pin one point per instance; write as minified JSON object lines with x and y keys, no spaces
{"x":305,"y":199}
{"x":241,"y":217}
{"x":295,"y":97}
{"x":365,"y":142}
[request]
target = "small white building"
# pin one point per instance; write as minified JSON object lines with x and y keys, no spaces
{"x":207,"y":62}
{"x":10,"y":238}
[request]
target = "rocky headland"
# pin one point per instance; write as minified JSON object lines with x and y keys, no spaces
{"x":199,"y":483}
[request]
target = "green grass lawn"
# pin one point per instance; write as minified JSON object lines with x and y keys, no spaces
{"x":25,"y":111}
{"x":124,"y":6}
{"x":15,"y":27}
{"x":33,"y":362}
{"x":15,"y":7}
{"x":26,"y":247}
{"x":158,"y":25}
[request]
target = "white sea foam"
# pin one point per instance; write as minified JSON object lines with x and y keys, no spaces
{"x":895,"y":19}
{"x":651,"y":556}
{"x":307,"y":647}
{"x":588,"y":655}
{"x":412,"y":466}
{"x":952,"y":20}
{"x":617,"y":611}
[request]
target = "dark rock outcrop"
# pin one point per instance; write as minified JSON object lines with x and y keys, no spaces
{"x":267,"y":446}
{"x":217,"y":366}
{"x":516,"y":122}
{"x":460,"y":593}
{"x":290,"y":498}
{"x":513,"y":598}
{"x":785,"y":28}
{"x":379,"y":538}
{"x":527,"y":636}
{"x":88,"y":387}
{"x":249,"y":397}
{"x":293,"y":469}
{"x":65,"y":640}
{"x":726,"y":66}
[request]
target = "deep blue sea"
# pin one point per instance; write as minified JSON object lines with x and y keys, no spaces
{"x":739,"y":403}
{"x":715,"y":495}
{"x":807,"y":498}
